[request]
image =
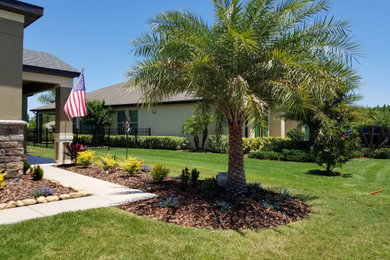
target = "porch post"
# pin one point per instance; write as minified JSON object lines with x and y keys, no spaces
{"x":63,"y":129}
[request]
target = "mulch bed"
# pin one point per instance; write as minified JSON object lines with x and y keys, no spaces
{"x":197,"y":211}
{"x":13,"y":191}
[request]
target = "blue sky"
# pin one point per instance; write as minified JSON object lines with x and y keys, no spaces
{"x":95,"y":35}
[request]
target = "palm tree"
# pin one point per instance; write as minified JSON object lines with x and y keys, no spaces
{"x":256,"y":54}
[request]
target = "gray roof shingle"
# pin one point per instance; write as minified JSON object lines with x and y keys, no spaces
{"x":45,"y":60}
{"x":121,"y":95}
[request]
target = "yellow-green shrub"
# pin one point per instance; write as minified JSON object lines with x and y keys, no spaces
{"x":85,"y":158}
{"x":2,"y":180}
{"x":131,"y":165}
{"x":107,"y":162}
{"x":159,"y":172}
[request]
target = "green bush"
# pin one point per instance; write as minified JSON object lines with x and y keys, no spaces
{"x":297,"y":155}
{"x":218,"y":145}
{"x":147,"y":142}
{"x":296,"y":134}
{"x":277,"y":144}
{"x":252,"y":144}
{"x":159,"y":172}
{"x":208,"y":188}
{"x":335,"y":148}
{"x":265,"y":155}
{"x":36,"y":172}
{"x":382,"y":154}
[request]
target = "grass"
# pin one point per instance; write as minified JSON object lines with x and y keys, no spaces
{"x":345,"y":223}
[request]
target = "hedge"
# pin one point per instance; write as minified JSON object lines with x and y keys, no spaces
{"x":148,"y":142}
{"x":250,"y":144}
{"x":285,"y":155}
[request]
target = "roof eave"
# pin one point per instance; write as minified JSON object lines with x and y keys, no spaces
{"x":30,"y":12}
{"x":62,"y":73}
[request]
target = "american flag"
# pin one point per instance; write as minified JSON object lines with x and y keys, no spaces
{"x":76,"y":104}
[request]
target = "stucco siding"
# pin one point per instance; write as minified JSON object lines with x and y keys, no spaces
{"x":11,"y":53}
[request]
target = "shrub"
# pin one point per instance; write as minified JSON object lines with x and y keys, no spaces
{"x":223,"y":206}
{"x":271,"y":204}
{"x":2,"y":179}
{"x":335,"y":148}
{"x":73,"y":150}
{"x":131,"y":166}
{"x":382,"y":154}
{"x":277,"y":144}
{"x":267,"y":155}
{"x":218,"y":144}
{"x":185,"y":178}
{"x":85,"y":158}
{"x":159,"y":172}
{"x":26,"y":165}
{"x":255,"y":187}
{"x":208,"y":188}
{"x":170,"y":202}
{"x":194,"y":175}
{"x":36,"y":172}
{"x":251,"y":144}
{"x":296,"y":134}
{"x":147,"y":142}
{"x":37,"y":192}
{"x":297,"y":155}
{"x":285,"y":194}
{"x":107,"y":162}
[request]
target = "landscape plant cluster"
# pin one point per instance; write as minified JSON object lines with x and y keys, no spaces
{"x":2,"y":179}
{"x":36,"y":172}
{"x":38,"y":192}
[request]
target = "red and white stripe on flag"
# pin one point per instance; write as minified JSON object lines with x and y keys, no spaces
{"x":76,"y":105}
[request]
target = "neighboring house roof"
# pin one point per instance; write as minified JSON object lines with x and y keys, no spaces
{"x":30,"y":12}
{"x":122,"y":95}
{"x":43,"y":62}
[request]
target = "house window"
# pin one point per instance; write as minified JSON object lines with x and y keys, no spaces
{"x":133,"y":117}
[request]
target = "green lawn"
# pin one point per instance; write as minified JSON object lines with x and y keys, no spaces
{"x":345,"y":222}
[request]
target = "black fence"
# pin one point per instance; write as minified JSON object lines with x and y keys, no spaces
{"x":94,"y":139}
{"x":41,"y":137}
{"x":110,"y":137}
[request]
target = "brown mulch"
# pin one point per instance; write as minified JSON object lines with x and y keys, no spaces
{"x":196,"y":211}
{"x":13,"y":191}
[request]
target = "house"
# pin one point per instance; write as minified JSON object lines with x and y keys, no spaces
{"x":24,"y":73}
{"x":163,"y":119}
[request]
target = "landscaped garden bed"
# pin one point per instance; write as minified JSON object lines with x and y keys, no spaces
{"x":196,"y":206}
{"x":35,"y":189}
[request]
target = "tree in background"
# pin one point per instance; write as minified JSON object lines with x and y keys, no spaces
{"x":48,"y":97}
{"x":256,"y":54}
{"x":377,"y":118}
{"x":98,"y":116}
{"x":197,"y":125}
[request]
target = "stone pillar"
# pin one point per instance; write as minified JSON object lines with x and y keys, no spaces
{"x":11,"y":149}
{"x":63,"y":131}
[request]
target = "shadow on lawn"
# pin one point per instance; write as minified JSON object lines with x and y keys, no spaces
{"x":326,"y":174}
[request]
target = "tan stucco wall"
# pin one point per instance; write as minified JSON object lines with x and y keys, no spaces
{"x":11,"y":59}
{"x":164,"y":120}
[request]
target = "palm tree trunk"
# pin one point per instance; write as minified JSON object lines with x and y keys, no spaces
{"x":204,"y":137}
{"x":236,"y":180}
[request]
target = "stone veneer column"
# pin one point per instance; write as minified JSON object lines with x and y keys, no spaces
{"x":11,"y":149}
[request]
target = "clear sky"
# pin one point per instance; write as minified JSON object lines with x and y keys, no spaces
{"x":95,"y":35}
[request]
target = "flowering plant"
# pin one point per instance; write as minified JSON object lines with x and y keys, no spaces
{"x":2,"y":181}
{"x":37,"y":192}
{"x":26,"y":165}
{"x":170,"y":202}
{"x":36,"y":172}
{"x":222,"y":206}
{"x":271,"y":204}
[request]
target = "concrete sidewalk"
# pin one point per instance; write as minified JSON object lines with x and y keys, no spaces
{"x":104,"y":194}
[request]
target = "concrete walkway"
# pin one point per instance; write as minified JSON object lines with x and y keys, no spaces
{"x":104,"y":194}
